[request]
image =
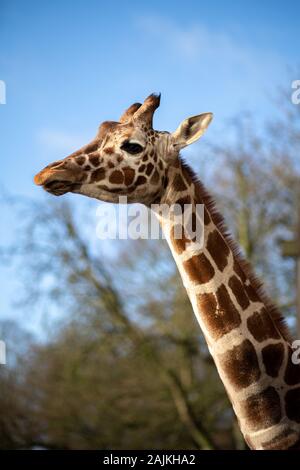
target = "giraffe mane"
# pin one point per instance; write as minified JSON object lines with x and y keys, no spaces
{"x":218,"y":219}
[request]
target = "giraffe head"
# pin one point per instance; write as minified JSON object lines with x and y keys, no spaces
{"x":126,"y":158}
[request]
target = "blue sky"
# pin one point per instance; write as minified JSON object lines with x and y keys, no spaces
{"x":68,"y":65}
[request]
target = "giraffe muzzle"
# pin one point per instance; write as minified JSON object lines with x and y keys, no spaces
{"x":58,"y":180}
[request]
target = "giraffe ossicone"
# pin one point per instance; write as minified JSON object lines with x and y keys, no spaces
{"x":245,"y":333}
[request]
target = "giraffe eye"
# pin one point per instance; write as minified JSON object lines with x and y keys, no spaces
{"x":132,"y":147}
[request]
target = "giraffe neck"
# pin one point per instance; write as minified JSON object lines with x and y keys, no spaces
{"x":244,"y":332}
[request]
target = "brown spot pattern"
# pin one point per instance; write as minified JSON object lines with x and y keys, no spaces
{"x":240,"y":364}
{"x":239,"y":292}
{"x":109,"y":150}
{"x":149,"y":169}
{"x":262,"y":410}
{"x":199,"y":269}
{"x":80,"y":160}
{"x":219,"y":313}
{"x":140,"y":180}
{"x":116,"y":177}
{"x":261,"y":326}
{"x":227,"y":310}
{"x":129,"y":175}
{"x":218,"y":249}
{"x":272,"y":356}
{"x":207,"y":304}
{"x":251,"y":293}
{"x":178,"y":243}
{"x":94,"y":159}
{"x":292,"y":404}
{"x":98,"y":175}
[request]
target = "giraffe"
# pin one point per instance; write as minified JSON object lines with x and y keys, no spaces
{"x":245,"y":334}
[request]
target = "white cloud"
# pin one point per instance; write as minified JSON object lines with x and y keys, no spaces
{"x":184,"y":41}
{"x":215,"y":57}
{"x":195,"y":41}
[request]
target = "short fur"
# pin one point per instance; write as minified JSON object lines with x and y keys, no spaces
{"x":218,"y":219}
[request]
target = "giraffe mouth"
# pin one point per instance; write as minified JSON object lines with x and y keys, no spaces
{"x":58,"y":181}
{"x":60,"y":187}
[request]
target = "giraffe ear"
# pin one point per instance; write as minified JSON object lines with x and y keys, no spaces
{"x":191,"y":129}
